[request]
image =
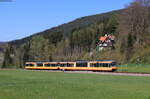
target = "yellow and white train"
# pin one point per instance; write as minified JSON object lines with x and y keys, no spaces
{"x":99,"y":65}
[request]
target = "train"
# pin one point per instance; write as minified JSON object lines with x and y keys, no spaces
{"x":96,"y":65}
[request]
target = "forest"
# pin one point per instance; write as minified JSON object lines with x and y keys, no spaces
{"x":78,"y":40}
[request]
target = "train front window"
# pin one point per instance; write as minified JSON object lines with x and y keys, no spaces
{"x":113,"y":64}
{"x":30,"y":65}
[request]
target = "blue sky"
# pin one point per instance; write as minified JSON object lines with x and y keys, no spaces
{"x":21,"y":18}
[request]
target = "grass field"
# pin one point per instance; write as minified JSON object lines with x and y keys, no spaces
{"x":21,"y":84}
{"x":135,"y":68}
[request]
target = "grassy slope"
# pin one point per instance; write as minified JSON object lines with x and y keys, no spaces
{"x":19,"y":84}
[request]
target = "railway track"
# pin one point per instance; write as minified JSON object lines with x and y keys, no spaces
{"x":102,"y":73}
{"x":112,"y":73}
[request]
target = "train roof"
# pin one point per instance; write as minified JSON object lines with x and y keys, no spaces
{"x":79,"y":61}
{"x":105,"y":60}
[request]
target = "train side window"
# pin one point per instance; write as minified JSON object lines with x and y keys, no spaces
{"x":63,"y":65}
{"x":106,"y":65}
{"x":109,"y":64}
{"x":100,"y":65}
{"x":81,"y":65}
{"x":39,"y":64}
{"x":96,"y":65}
{"x":53,"y":65}
{"x":69,"y":65}
{"x":47,"y":65}
{"x":92,"y":64}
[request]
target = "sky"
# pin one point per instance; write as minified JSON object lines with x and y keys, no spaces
{"x":22,"y":18}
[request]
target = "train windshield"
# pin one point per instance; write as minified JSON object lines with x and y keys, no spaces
{"x":29,"y":64}
{"x":113,"y":64}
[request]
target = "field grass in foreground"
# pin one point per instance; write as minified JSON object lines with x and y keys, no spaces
{"x":21,"y":84}
{"x":135,"y":68}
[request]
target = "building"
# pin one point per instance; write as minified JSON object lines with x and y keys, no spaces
{"x":106,"y":41}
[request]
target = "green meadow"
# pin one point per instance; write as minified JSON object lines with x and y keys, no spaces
{"x":134,"y":68}
{"x":22,"y":84}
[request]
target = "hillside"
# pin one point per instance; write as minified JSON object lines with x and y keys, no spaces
{"x":19,"y":48}
{"x":67,"y":28}
{"x":79,"y":39}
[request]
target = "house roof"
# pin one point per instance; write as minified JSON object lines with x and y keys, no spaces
{"x":103,"y":38}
